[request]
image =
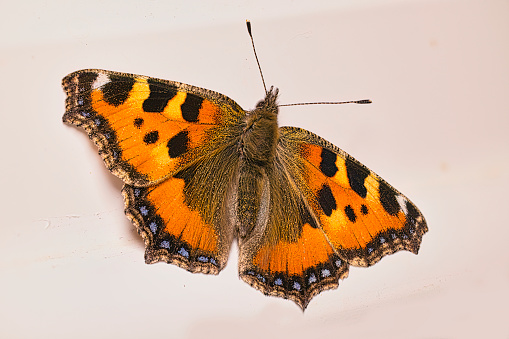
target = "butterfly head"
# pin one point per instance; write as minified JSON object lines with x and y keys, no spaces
{"x":270,"y":101}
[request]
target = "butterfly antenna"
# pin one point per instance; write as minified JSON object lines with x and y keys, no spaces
{"x":365,"y":101}
{"x":248,"y":23}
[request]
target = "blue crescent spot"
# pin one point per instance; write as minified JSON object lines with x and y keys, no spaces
{"x":260,"y":277}
{"x":278,"y":282}
{"x":325,"y":273}
{"x":312,"y":278}
{"x":296,"y":286}
{"x":165,"y":244}
{"x":338,"y":263}
{"x":153,"y":227}
{"x":203,"y":258}
{"x":144,"y":210}
{"x":183,"y":252}
{"x":382,"y":240}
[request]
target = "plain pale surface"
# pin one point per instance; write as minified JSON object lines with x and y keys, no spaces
{"x":71,"y":264}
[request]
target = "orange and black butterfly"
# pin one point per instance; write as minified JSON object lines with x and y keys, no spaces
{"x":199,"y":171}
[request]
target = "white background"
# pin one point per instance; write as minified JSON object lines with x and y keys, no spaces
{"x":71,"y":264}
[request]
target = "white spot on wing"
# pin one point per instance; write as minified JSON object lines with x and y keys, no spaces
{"x":402,"y":203}
{"x":101,"y":80}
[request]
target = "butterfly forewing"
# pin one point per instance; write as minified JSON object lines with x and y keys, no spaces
{"x":147,"y":129}
{"x":363,"y":217}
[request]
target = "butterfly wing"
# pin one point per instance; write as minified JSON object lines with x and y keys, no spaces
{"x":363,"y":216}
{"x":327,"y":211}
{"x":174,"y":146}
{"x":147,"y":129}
{"x":184,"y":219}
{"x":288,"y":255}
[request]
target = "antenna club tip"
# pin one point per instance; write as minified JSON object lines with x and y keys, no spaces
{"x":248,"y":24}
{"x":365,"y":101}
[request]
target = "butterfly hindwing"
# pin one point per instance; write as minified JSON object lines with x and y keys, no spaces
{"x":183,"y":219}
{"x":291,"y":256}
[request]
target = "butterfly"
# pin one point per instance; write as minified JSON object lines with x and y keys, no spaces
{"x":199,"y":172}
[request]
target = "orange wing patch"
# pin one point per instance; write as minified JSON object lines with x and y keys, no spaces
{"x":180,"y":220}
{"x":152,"y":143}
{"x":363,"y":217}
{"x":294,"y":258}
{"x":146,"y":129}
{"x":173,"y":232}
{"x":296,"y":270}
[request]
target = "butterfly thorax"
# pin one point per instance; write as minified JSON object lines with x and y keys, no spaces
{"x":260,"y":132}
{"x":257,"y":147}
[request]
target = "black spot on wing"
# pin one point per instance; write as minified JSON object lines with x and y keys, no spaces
{"x":191,"y":108}
{"x":356,"y":176}
{"x":326,"y":200}
{"x":138,"y":122}
{"x":151,"y":137}
{"x":388,"y":199}
{"x":117,"y":90}
{"x":328,"y":163}
{"x":159,"y":96}
{"x":178,"y":144}
{"x":364,"y":209}
{"x":350,"y":214}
